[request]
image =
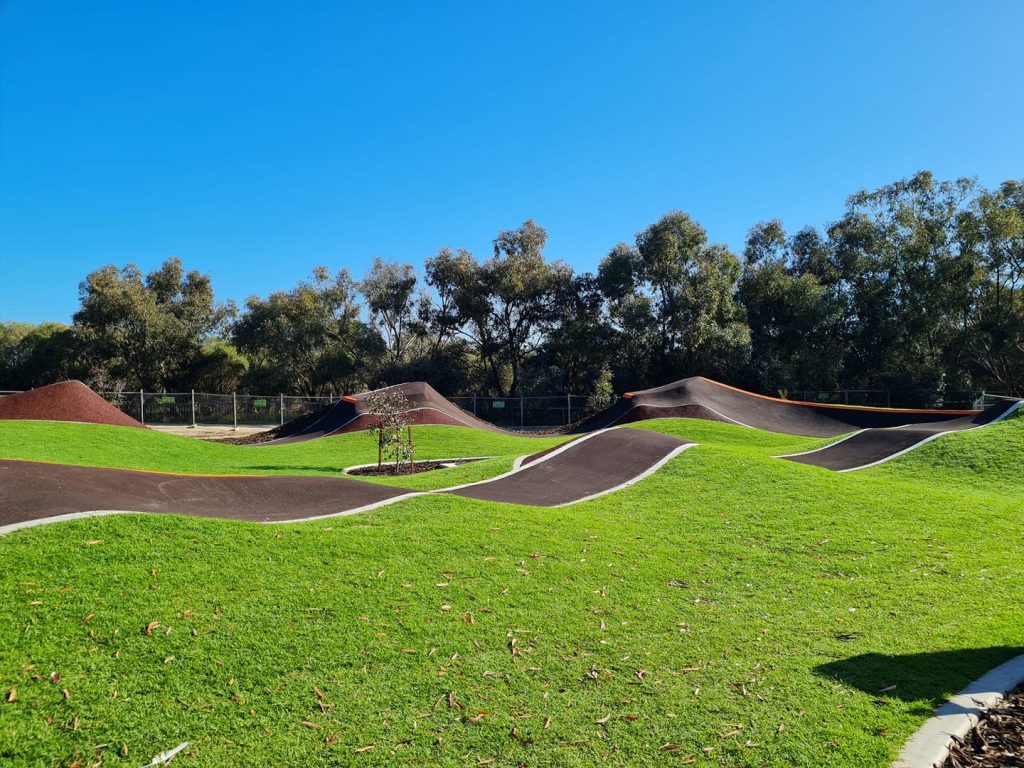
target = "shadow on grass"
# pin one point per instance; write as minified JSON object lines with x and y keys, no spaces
{"x":932,"y":677}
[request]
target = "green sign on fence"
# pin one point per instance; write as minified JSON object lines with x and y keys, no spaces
{"x":499,"y":403}
{"x":259,"y":403}
{"x":167,"y":400}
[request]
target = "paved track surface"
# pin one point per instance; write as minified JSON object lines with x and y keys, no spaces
{"x":31,"y":490}
{"x":352,"y":414}
{"x":584,"y":468}
{"x":873,"y":446}
{"x":702,"y":398}
{"x":694,"y":398}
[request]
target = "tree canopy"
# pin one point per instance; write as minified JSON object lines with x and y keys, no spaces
{"x":917,"y":287}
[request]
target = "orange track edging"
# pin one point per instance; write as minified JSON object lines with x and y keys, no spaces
{"x":871,"y":409}
{"x":142,"y":471}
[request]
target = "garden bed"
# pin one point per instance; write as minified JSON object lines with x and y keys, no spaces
{"x":420,"y":466}
{"x":997,"y":740}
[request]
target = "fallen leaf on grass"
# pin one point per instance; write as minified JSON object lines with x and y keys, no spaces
{"x":453,"y":703}
{"x":604,"y":720}
{"x":547,"y":723}
{"x":367,"y":748}
{"x":88,"y":618}
{"x":330,"y":740}
{"x":151,"y":626}
{"x":670,"y":747}
{"x":311,"y":725}
{"x":480,"y":715}
{"x":94,"y":542}
{"x":12,"y":696}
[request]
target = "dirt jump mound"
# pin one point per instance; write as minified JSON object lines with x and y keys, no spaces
{"x":65,"y":401}
{"x":700,"y":398}
{"x":352,"y":414}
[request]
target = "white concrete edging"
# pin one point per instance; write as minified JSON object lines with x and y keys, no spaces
{"x":467,"y":459}
{"x":958,"y":716}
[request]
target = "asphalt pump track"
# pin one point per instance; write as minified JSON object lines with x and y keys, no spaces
{"x":599,"y":463}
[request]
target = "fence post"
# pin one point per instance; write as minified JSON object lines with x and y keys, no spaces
{"x":522,"y":422}
{"x":282,"y":409}
{"x":568,"y":409}
{"x":142,"y":407}
{"x":474,"y":404}
{"x":234,"y":409}
{"x":193,"y":407}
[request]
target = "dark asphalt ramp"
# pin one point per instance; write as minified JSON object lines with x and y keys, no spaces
{"x":702,"y":398}
{"x":31,"y":491}
{"x":873,"y":446}
{"x":586,"y":467}
{"x":352,"y":414}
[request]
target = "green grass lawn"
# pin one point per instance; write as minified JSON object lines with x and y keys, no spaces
{"x":730,"y":610}
{"x":101,"y":446}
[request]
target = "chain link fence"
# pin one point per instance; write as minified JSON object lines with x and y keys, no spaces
{"x":184,"y":408}
{"x":204,"y":408}
{"x":885,"y":398}
{"x":528,"y":412}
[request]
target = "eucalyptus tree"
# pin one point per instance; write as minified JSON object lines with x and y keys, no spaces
{"x":793,"y":308}
{"x":908,"y":281}
{"x":671,"y":301}
{"x":149,"y":329}
{"x":309,"y":339}
{"x":389,"y":289}
{"x":504,"y":305}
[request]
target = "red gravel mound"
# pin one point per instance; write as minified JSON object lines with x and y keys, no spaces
{"x":66,"y":401}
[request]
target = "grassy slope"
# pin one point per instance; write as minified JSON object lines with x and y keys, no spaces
{"x":726,"y":590}
{"x":92,"y":445}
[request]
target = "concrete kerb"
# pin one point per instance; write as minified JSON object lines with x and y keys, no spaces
{"x":958,"y":716}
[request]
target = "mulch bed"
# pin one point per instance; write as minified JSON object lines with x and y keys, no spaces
{"x":997,"y":741}
{"x":421,"y":466}
{"x":253,"y":439}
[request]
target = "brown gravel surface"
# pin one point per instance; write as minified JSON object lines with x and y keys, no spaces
{"x":66,"y":401}
{"x":997,"y":741}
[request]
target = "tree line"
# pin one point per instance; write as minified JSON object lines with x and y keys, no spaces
{"x":917,"y":287}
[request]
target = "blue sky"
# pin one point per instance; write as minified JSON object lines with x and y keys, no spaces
{"x":255,"y":140}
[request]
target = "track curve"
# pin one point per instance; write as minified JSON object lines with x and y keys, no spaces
{"x":33,"y":492}
{"x":871,"y":447}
